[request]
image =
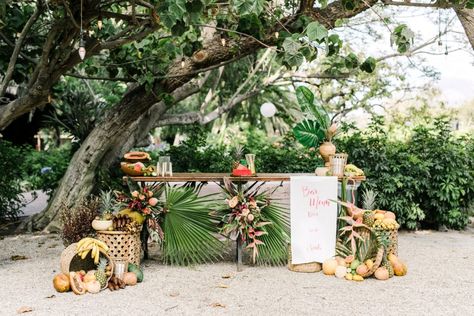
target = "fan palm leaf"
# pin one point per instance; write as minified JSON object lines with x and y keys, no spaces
{"x":275,"y":248}
{"x":190,"y":230}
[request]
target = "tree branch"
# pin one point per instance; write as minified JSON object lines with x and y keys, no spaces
{"x":437,"y":4}
{"x":16,"y":50}
{"x":75,"y":75}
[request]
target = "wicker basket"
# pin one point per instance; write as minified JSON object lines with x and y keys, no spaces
{"x":71,"y":261}
{"x":310,"y":267}
{"x":393,"y":236}
{"x":123,"y":245}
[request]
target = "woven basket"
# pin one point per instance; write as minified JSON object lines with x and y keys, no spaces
{"x":310,"y":267}
{"x":393,"y":236}
{"x":123,"y":245}
{"x":71,"y":261}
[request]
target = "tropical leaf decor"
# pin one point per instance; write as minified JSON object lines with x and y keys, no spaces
{"x":316,"y":127}
{"x":261,"y":225}
{"x":190,"y":230}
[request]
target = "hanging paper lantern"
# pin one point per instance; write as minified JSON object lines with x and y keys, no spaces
{"x":268,"y":109}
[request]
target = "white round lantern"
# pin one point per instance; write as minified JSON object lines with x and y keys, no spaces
{"x":268,"y":109}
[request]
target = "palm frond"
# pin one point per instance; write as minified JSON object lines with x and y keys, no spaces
{"x":190,"y":230}
{"x":275,"y":248}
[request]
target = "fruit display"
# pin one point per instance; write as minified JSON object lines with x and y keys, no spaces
{"x":351,"y":170}
{"x":367,"y":244}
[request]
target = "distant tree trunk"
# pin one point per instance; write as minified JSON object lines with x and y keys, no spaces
{"x":466,"y":16}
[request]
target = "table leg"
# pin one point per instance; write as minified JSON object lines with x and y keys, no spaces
{"x":238,"y":254}
{"x":144,"y":239}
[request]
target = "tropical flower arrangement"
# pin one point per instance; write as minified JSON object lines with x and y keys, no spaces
{"x":245,"y":221}
{"x":256,"y":222}
{"x":144,"y":202}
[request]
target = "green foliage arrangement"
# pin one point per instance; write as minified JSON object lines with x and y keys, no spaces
{"x":10,"y":180}
{"x":427,"y":180}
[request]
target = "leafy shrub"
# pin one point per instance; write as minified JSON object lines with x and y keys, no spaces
{"x":428,"y":179}
{"x":10,"y":179}
{"x":195,"y":155}
{"x":42,"y":170}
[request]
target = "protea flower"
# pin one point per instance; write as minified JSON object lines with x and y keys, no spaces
{"x":233,"y":202}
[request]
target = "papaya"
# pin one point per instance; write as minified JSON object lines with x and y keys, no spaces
{"x":77,"y":286}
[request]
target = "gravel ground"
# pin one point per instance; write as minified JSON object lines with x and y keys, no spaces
{"x":439,"y":282}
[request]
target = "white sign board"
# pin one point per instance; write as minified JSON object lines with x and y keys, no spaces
{"x":313,"y":218}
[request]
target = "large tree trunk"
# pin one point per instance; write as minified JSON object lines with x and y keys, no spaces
{"x":78,"y":180}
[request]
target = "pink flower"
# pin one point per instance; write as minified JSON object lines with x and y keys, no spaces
{"x":141,"y":197}
{"x":245,"y":212}
{"x":135,"y":194}
{"x":146,"y":211}
{"x":153,"y":201}
{"x":150,"y":193}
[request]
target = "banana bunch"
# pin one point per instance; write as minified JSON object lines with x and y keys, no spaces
{"x":88,"y":244}
{"x":352,"y":170}
{"x":386,"y":224}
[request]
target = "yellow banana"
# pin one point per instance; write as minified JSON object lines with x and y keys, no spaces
{"x":82,"y":241}
{"x":96,"y":254}
{"x":85,"y":245}
{"x":84,"y":253}
{"x":102,"y":245}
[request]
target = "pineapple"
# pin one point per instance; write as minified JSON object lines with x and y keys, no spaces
{"x":238,"y":153}
{"x":369,"y":204}
{"x":107,"y":204}
{"x":368,"y":218}
{"x":368,"y":198}
{"x":100,"y":273}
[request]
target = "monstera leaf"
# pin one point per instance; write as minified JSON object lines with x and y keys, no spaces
{"x":306,"y":101}
{"x":309,"y":133}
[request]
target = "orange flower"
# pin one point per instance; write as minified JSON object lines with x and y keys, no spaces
{"x":146,"y":211}
{"x":135,"y":194}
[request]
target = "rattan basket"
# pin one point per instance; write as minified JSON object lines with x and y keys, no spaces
{"x":393,"y":236}
{"x":310,"y":267}
{"x":71,"y":261}
{"x":123,"y":245}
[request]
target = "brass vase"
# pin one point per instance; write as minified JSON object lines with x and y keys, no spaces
{"x":325,"y":150}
